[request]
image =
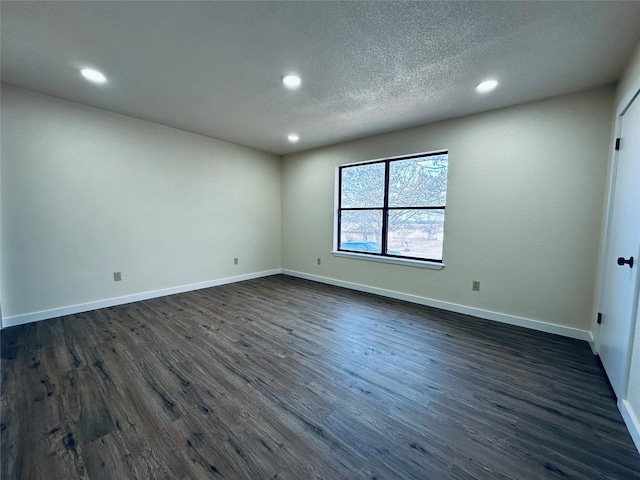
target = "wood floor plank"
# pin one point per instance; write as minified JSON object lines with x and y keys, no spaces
{"x":282,"y":378}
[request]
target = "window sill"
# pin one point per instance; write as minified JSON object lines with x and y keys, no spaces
{"x":397,"y":261}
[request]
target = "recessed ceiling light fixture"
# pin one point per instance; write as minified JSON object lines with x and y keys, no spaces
{"x":93,"y":75}
{"x":291,"y":81}
{"x":486,"y":86}
{"x":293,"y":138}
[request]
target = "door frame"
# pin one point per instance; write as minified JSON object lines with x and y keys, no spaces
{"x":621,"y":109}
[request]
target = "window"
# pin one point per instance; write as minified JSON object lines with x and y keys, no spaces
{"x":394,"y":207}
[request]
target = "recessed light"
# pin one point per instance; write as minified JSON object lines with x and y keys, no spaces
{"x":486,"y":86}
{"x":293,"y":138}
{"x":93,"y":75}
{"x":291,"y":81}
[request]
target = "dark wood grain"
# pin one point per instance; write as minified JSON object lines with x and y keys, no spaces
{"x":282,"y":378}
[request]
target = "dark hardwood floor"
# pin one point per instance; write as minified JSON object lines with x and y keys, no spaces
{"x":282,"y":378}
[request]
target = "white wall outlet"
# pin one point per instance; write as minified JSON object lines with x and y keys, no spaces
{"x":117,"y":276}
{"x":475,"y":286}
{"x":235,"y":261}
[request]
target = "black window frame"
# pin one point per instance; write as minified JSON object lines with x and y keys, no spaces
{"x":385,"y":208}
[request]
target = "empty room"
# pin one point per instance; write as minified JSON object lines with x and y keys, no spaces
{"x":320,"y":240}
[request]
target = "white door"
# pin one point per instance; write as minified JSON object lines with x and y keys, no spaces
{"x":621,"y":279}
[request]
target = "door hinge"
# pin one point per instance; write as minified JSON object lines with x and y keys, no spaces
{"x":599,"y":321}
{"x":617,"y":144}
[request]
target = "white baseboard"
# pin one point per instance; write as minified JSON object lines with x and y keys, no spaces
{"x":631,"y":420}
{"x":453,"y":307}
{"x":111,"y":302}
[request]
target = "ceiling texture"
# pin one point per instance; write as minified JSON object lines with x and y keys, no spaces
{"x":215,"y":68}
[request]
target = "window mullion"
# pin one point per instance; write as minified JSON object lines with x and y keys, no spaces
{"x":339,"y":206}
{"x":385,"y":209}
{"x":439,"y":207}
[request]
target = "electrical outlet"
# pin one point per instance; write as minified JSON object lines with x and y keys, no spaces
{"x":319,"y":261}
{"x":235,"y":261}
{"x":475,"y":286}
{"x":117,"y":276}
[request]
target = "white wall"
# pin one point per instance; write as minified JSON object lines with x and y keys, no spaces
{"x":524,"y":209}
{"x":628,"y":87}
{"x":87,"y":192}
{"x":1,"y":317}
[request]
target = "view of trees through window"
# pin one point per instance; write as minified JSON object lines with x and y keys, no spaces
{"x":394,"y":207}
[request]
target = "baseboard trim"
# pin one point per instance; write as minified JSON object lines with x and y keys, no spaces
{"x":112,"y":302}
{"x":632,"y":422}
{"x":454,"y":307}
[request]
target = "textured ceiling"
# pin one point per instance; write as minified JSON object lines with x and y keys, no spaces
{"x":367,"y":67}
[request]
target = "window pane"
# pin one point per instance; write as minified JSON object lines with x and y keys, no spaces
{"x":363,"y":186}
{"x":361,"y":230}
{"x":416,"y":233}
{"x":418,"y":182}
